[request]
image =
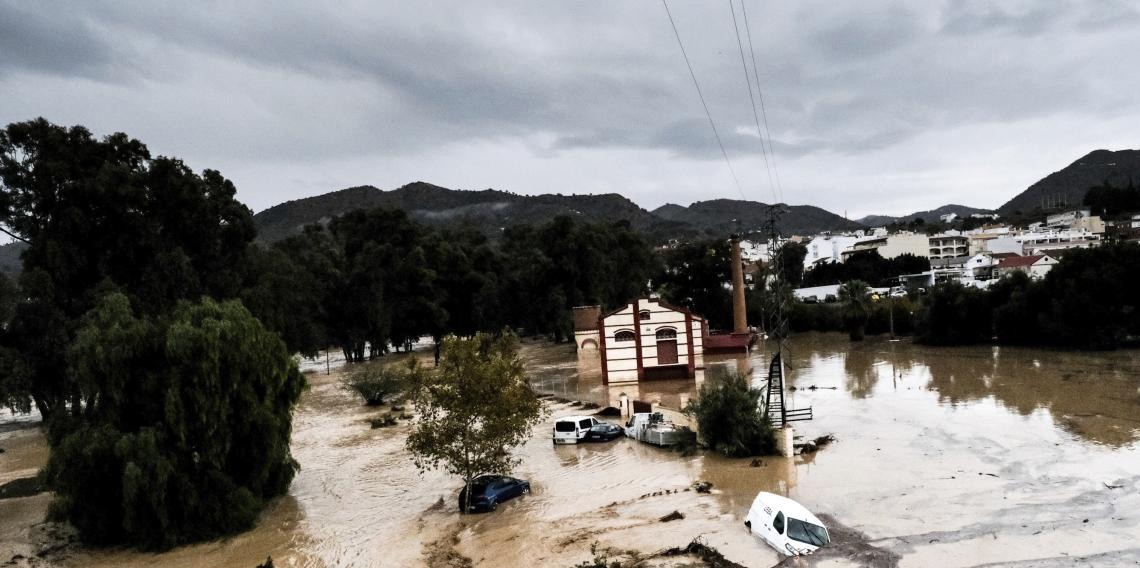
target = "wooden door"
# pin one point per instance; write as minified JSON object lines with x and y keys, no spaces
{"x":667,"y":352}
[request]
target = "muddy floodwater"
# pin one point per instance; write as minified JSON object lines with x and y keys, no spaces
{"x":978,"y":456}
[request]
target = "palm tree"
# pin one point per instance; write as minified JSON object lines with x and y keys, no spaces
{"x":855,"y":296}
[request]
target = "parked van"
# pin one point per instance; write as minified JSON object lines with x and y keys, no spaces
{"x":785,"y":525}
{"x":572,"y":429}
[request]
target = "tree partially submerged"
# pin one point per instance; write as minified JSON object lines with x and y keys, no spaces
{"x":856,"y":299}
{"x":730,"y":419}
{"x":474,"y":408}
{"x":374,"y":382}
{"x":185,"y":433}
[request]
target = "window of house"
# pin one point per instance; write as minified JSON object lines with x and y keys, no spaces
{"x":643,"y":314}
{"x":623,"y":336}
{"x":667,"y":333}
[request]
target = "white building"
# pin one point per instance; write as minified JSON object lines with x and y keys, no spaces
{"x":645,"y":339}
{"x":826,"y":248}
{"x":948,"y":218}
{"x":892,"y":246}
{"x":1041,"y":242}
{"x":949,"y":249}
{"x":1037,"y":266}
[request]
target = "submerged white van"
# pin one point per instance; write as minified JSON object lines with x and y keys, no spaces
{"x":572,"y":429}
{"x":785,"y":525}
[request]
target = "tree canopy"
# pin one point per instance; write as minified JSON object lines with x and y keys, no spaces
{"x":101,"y":215}
{"x":185,"y":432}
{"x":474,"y":408}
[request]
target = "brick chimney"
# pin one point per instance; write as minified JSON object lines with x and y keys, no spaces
{"x":739,"y":308}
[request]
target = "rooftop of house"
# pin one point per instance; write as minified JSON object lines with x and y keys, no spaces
{"x":1020,"y":261}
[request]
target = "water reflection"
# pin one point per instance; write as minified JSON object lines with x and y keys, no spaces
{"x":1093,"y":395}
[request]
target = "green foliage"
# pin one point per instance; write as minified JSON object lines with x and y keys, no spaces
{"x":1087,"y":301}
{"x":287,"y":297}
{"x":184,"y":435}
{"x":474,"y":408}
{"x":867,"y":266}
{"x":729,"y":417}
{"x":373,"y":382}
{"x":790,"y":259}
{"x":694,"y":277}
{"x":955,"y":315}
{"x":1110,"y":202}
{"x":855,"y":297}
{"x":815,"y":317}
{"x":100,"y":215}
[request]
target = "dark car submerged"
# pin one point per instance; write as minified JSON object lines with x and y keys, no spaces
{"x":604,"y":432}
{"x":488,"y":490}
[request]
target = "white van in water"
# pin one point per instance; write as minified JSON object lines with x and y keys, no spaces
{"x":785,"y":525}
{"x":572,"y":429}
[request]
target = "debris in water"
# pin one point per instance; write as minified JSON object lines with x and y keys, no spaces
{"x":383,"y":421}
{"x":608,"y":411}
{"x":707,"y":554}
{"x":989,"y":474}
{"x":824,"y":440}
{"x":268,"y":563}
{"x":1113,"y":486}
{"x":674,"y":516}
{"x":756,"y":462}
{"x":703,"y":486}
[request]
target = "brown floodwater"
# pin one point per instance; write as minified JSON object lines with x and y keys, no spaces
{"x":975,"y":456}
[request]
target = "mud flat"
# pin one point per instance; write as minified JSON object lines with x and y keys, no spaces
{"x":945,"y":457}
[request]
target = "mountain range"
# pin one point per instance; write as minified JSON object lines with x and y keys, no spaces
{"x":931,"y":215}
{"x":1066,"y":188}
{"x":491,"y":210}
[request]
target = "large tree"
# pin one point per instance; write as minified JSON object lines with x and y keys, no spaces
{"x":474,"y":408}
{"x":696,"y":276}
{"x":185,"y":433}
{"x":103,"y":214}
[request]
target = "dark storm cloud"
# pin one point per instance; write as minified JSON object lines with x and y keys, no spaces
{"x":404,"y":87}
{"x":32,"y":40}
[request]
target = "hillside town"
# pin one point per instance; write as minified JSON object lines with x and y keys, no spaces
{"x":975,"y":257}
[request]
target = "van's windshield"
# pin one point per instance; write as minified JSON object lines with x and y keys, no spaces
{"x":564,"y":426}
{"x":807,"y":533}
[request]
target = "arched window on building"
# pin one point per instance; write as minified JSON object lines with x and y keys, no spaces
{"x":625,"y":335}
{"x":643,"y":315}
{"x":667,"y":346}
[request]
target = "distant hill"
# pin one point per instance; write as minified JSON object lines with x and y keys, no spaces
{"x":720,"y":216}
{"x":488,"y":210}
{"x":1067,"y":187}
{"x":932,"y":215}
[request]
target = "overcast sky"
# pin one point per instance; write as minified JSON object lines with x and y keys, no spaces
{"x":873,"y":107}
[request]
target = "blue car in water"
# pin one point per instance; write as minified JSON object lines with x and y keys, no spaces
{"x":488,"y":490}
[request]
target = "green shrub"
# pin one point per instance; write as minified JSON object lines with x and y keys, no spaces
{"x":375,"y":382}
{"x":730,"y":419}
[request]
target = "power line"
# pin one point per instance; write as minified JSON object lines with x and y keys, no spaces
{"x":751,"y":99}
{"x":702,"y":97}
{"x":760,"y":92}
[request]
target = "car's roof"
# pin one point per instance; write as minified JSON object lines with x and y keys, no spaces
{"x":574,"y":418}
{"x":790,"y":508}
